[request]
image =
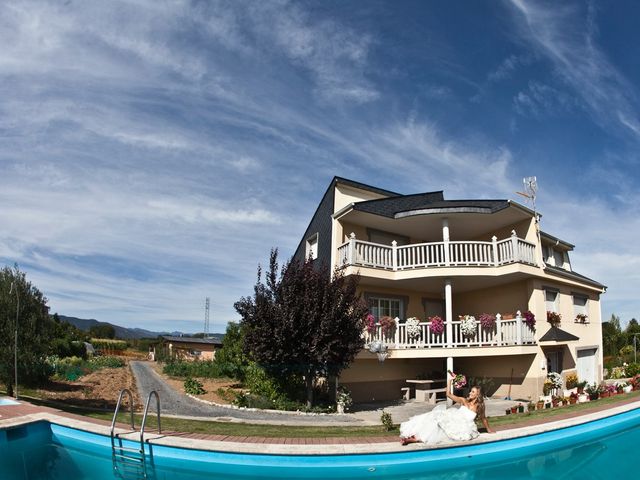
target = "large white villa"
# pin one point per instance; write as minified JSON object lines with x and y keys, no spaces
{"x":423,"y":256}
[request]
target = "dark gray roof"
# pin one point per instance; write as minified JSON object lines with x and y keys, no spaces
{"x":557,"y":335}
{"x":201,"y":341}
{"x":570,"y":274}
{"x":548,"y":236}
{"x":363,"y":186}
{"x":430,"y":202}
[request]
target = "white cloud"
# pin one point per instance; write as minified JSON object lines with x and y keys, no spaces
{"x":557,"y":32}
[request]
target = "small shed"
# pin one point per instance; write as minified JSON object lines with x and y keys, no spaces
{"x":190,"y":348}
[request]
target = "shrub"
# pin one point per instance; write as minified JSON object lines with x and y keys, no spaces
{"x":387,"y":421}
{"x":96,"y":363}
{"x":632,"y":369}
{"x":193,"y":387}
{"x":72,"y":368}
{"x":198,"y":369}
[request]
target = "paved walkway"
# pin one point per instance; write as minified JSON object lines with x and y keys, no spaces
{"x":178,"y":404}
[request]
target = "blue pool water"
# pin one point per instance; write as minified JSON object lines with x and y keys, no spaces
{"x":598,"y":450}
{"x":8,"y":401}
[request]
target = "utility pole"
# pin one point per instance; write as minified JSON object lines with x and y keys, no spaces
{"x":15,"y":345}
{"x":206,"y":317}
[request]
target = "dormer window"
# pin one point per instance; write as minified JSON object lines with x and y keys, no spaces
{"x":312,"y":247}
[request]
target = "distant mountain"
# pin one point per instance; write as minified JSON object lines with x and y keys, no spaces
{"x":121,"y":332}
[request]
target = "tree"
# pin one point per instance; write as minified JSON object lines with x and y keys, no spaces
{"x":613,"y":338}
{"x":66,"y":339}
{"x":102,"y":330}
{"x":231,"y":356}
{"x":33,"y":329}
{"x":303,"y":323}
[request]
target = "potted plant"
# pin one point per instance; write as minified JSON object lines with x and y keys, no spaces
{"x":593,"y":390}
{"x":370,"y":322}
{"x":343,"y":399}
{"x":529,"y":319}
{"x":554,"y":318}
{"x":531,"y":407}
{"x":508,"y":411}
{"x":468,"y":326}
{"x":413,"y":328}
{"x":388,"y":326}
{"x":540,"y":405}
{"x":520,"y":408}
{"x":487,"y":320}
{"x":514,"y":409}
{"x":571,"y":380}
{"x":573,"y":398}
{"x":547,"y":387}
{"x":635,"y":382}
{"x":580,"y":386}
{"x":581,"y":318}
{"x":555,"y":401}
{"x":436,"y":325}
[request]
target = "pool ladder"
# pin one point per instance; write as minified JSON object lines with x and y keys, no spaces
{"x":131,"y":463}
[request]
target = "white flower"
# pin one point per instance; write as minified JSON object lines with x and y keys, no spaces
{"x":468,"y":325}
{"x":413,"y":327}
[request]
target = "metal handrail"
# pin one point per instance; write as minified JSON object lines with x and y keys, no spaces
{"x":144,"y":417}
{"x":115,"y":413}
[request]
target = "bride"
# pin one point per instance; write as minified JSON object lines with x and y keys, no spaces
{"x":445,"y":425}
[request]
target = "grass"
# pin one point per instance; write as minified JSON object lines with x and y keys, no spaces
{"x":282,"y":431}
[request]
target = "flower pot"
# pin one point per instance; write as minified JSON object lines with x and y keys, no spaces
{"x":604,"y":395}
{"x":508,"y":411}
{"x":520,"y":408}
{"x":580,"y":389}
{"x":582,"y":398}
{"x":594,"y":396}
{"x":547,"y":405}
{"x":572,"y":401}
{"x":628,"y":389}
{"x":340,"y":408}
{"x":514,"y":409}
{"x":539,"y":405}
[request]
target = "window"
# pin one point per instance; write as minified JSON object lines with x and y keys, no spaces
{"x":312,"y":247}
{"x":385,"y":307}
{"x":580,"y":305}
{"x":551,"y":299}
{"x":558,"y":258}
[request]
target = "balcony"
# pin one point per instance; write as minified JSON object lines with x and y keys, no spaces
{"x":437,"y":254}
{"x":506,"y":332}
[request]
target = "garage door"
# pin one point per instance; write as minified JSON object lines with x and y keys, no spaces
{"x":587,"y":365}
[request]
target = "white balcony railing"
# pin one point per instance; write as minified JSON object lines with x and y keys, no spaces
{"x":437,"y":254}
{"x":506,"y":332}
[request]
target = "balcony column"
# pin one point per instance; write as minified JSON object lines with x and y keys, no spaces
{"x":351,"y":255}
{"x":514,"y":246}
{"x":394,"y":255}
{"x":519,"y":328}
{"x":445,"y":239}
{"x":448,"y":313}
{"x":449,"y":369}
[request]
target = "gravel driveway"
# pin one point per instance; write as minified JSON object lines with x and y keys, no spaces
{"x":174,"y":403}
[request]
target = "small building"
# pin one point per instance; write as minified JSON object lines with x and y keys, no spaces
{"x":188,"y":348}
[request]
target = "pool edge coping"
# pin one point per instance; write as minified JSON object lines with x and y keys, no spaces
{"x":319,"y":449}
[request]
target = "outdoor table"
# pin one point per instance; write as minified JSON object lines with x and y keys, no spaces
{"x":424,"y":390}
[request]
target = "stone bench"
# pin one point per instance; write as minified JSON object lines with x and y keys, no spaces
{"x":429,"y":395}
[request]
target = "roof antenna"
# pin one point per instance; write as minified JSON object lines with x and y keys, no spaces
{"x":530,"y":193}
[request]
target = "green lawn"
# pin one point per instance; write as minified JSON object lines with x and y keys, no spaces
{"x":279,"y":431}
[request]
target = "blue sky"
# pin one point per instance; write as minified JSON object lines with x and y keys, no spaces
{"x":152,"y":152}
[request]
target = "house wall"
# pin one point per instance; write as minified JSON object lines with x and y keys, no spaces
{"x":182,"y":351}
{"x":370,"y":380}
{"x":507,"y":298}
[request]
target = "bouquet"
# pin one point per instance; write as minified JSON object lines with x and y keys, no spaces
{"x":459,"y":381}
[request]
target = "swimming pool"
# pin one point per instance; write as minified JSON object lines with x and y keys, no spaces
{"x":601,"y":449}
{"x":8,"y":401}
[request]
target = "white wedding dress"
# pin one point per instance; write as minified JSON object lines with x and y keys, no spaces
{"x":441,"y":425}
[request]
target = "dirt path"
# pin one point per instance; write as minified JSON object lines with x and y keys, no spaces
{"x":174,"y":403}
